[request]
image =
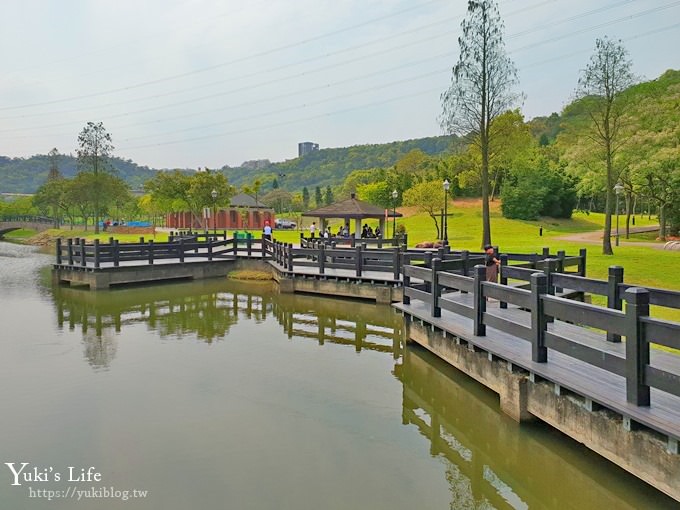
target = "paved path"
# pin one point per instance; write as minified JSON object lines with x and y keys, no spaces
{"x":596,"y":237}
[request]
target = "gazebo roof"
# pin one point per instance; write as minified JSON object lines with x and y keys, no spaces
{"x":245,"y":200}
{"x":351,"y":208}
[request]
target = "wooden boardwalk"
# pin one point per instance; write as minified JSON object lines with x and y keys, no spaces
{"x":601,"y":386}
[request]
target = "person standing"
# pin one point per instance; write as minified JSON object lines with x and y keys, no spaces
{"x":267,"y":231}
{"x":491,"y":263}
{"x":312,"y":229}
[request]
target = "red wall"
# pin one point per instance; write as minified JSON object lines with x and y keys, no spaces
{"x":226,"y":219}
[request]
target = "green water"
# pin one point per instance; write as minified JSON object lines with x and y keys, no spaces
{"x":218,"y":394}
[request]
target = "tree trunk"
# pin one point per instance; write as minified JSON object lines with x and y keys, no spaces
{"x":436,"y":224}
{"x":662,"y":222}
{"x":628,"y":199}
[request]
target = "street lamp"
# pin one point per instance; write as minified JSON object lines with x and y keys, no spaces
{"x":213,"y":194}
{"x":618,"y":189}
{"x":445,"y":223}
{"x":394,"y":213}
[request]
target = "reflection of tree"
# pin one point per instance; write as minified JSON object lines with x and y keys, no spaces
{"x":100,"y":349}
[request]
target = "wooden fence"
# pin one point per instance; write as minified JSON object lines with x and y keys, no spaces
{"x":429,"y":284}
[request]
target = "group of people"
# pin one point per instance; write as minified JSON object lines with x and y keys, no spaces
{"x":368,"y":232}
{"x":343,"y":231}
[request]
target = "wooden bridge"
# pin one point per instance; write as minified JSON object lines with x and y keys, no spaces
{"x":562,"y":360}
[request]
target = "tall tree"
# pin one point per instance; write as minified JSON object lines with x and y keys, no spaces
{"x":305,"y":198}
{"x":602,"y":82}
{"x":329,"y":196}
{"x":94,"y":150}
{"x":481,"y":88}
{"x":318,"y":199}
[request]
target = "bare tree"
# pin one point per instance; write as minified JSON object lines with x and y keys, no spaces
{"x":94,"y":149}
{"x":481,"y":88}
{"x":603,"y":80}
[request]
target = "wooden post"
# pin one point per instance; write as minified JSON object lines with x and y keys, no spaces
{"x":58,"y":247}
{"x":180,"y":250}
{"x":582,"y":253}
{"x":396,"y":269}
{"x":503,"y":279}
{"x":559,"y":268}
{"x":116,"y":253}
{"x":83,"y":255}
{"x":479,"y":300}
{"x":428,"y":258}
{"x":97,"y":262}
{"x":249,"y":244}
{"x":358,"y":260}
{"x":407,"y":283}
{"x":322,"y":258}
{"x":69,"y":246}
{"x":614,"y":295}
{"x":546,"y":253}
{"x":435,"y":310}
{"x":151,"y":251}
{"x":637,"y":346}
{"x":290,"y":256}
{"x":539,"y":287}
{"x":210,"y":250}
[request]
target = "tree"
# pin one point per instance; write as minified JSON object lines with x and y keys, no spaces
{"x":318,"y":199}
{"x":305,"y":198}
{"x":602,"y":82}
{"x":481,"y":88}
{"x":329,"y":196}
{"x":94,"y":149}
{"x":378,"y":193}
{"x":278,"y":199}
{"x":428,"y":197}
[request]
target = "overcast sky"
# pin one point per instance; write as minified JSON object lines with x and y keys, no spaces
{"x":187,"y":84}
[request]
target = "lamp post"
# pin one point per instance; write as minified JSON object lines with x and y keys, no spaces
{"x":445,"y":223}
{"x":618,"y":189}
{"x":394,"y":213}
{"x":213,"y":194}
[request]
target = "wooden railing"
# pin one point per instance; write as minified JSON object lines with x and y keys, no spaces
{"x":359,"y":259}
{"x":378,"y":242}
{"x":428,"y":284}
{"x":75,"y":252}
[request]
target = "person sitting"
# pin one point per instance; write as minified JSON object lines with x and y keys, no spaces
{"x":377,"y":232}
{"x":369,"y":232}
{"x":364,"y":231}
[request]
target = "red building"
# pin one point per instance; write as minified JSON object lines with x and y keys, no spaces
{"x":243,"y":212}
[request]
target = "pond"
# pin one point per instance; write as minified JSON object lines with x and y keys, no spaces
{"x":224,"y":394}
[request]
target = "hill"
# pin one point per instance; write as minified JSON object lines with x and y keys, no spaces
{"x":319,"y":168}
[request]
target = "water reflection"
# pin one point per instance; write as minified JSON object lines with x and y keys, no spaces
{"x":208,"y":309}
{"x":492,"y":462}
{"x":488,"y":460}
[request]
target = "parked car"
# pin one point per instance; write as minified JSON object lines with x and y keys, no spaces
{"x":284,"y":224}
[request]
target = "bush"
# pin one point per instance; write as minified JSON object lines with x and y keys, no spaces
{"x":530,"y":193}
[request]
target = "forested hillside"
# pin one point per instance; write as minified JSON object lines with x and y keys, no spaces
{"x":329,"y":167}
{"x":19,"y":175}
{"x":320,"y":168}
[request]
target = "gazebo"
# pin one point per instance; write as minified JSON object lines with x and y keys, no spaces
{"x":352,"y":209}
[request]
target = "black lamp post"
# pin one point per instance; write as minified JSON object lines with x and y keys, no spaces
{"x":213,"y":194}
{"x":618,"y":189}
{"x":445,"y":223}
{"x":394,"y":213}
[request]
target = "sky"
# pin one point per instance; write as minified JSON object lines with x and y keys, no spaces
{"x":201,"y":83}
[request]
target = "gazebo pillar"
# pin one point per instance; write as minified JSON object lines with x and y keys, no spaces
{"x":357,"y":228}
{"x":382,"y":228}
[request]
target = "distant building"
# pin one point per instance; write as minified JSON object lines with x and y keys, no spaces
{"x":307,"y":147}
{"x":243,"y":212}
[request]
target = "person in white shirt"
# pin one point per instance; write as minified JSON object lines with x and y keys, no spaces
{"x":312,"y":229}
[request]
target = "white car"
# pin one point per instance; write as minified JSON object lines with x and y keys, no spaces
{"x":284,"y":224}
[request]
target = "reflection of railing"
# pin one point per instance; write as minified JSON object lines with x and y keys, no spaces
{"x":491,"y":459}
{"x":370,"y":327}
{"x":209,"y":308}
